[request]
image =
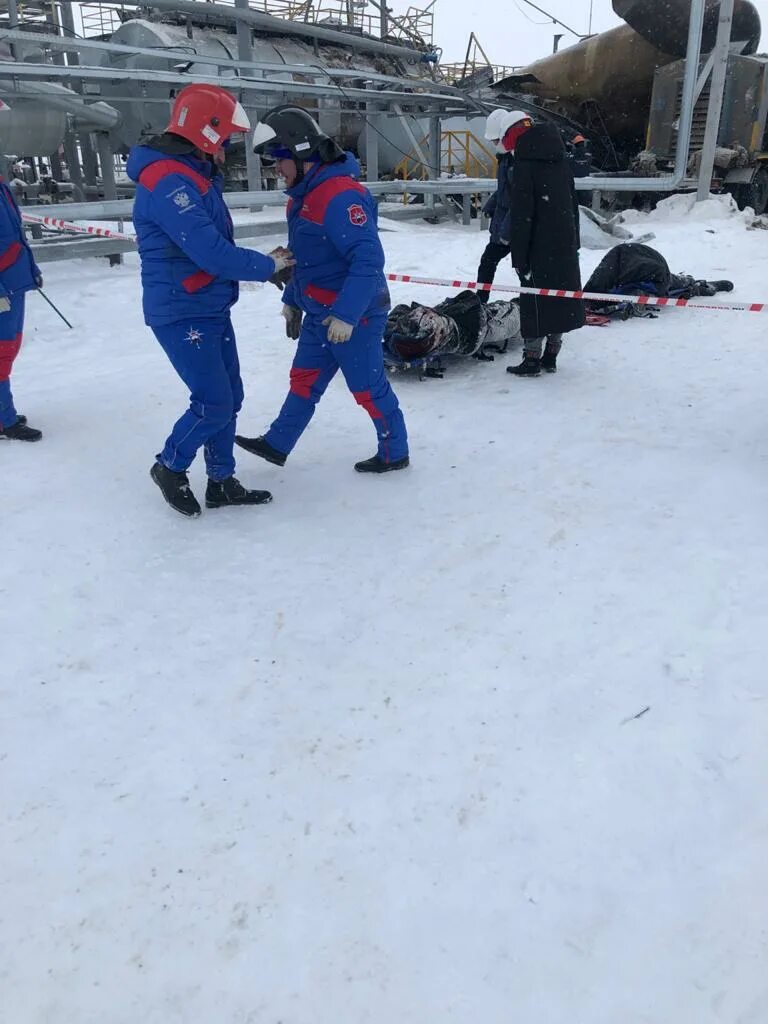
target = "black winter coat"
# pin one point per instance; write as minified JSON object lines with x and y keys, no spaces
{"x":631,"y":267}
{"x":544,"y":232}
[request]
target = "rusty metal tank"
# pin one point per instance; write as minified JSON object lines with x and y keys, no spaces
{"x":609,"y":77}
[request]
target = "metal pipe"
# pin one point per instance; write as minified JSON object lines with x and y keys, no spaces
{"x":716,"y":91}
{"x":107,"y":165}
{"x":460,"y":186}
{"x":77,"y":46}
{"x":50,"y":72}
{"x":435,"y":140}
{"x":371,"y":142}
{"x":68,"y":22}
{"x":245,"y":54}
{"x":90,"y":166}
{"x":88,"y":115}
{"x":277,"y":26}
{"x":688,"y":102}
{"x":13,"y":22}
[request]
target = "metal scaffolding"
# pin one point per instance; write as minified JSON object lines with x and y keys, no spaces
{"x":78,"y":72}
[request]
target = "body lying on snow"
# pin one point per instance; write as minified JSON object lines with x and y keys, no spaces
{"x":463,"y":325}
{"x":635,"y":269}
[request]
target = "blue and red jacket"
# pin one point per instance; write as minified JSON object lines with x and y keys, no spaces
{"x":190,"y":265}
{"x":18,"y":270}
{"x":333,"y":235}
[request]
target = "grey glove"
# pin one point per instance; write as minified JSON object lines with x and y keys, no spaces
{"x":293,"y":318}
{"x":339,"y":331}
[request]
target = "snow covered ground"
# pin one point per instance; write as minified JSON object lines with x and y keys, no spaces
{"x":368,"y":755}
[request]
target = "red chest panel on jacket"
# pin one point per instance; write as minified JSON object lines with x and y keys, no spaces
{"x":317,"y":201}
{"x":152,"y":175}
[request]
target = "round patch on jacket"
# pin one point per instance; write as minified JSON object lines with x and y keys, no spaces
{"x":357,"y":215}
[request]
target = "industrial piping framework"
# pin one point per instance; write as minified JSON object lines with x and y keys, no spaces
{"x":90,"y":68}
{"x":428,"y":97}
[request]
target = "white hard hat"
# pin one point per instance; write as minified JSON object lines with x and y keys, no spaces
{"x":508,"y":118}
{"x":492,"y":124}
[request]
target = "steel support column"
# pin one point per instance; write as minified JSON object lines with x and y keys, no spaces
{"x":245,"y":53}
{"x":371,"y":143}
{"x":13,"y":22}
{"x":90,"y":166}
{"x":716,"y":91}
{"x":435,"y":140}
{"x":107,"y":163}
{"x":688,"y":101}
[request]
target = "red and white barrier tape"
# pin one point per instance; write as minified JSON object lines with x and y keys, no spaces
{"x":552,"y":293}
{"x":65,"y":225}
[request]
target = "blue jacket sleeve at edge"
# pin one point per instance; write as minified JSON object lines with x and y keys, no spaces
{"x":190,"y":227}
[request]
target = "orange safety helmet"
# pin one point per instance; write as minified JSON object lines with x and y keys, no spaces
{"x":207,"y":116}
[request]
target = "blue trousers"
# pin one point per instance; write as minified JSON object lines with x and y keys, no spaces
{"x":361,"y":362}
{"x":204,"y":354}
{"x":11,"y":327}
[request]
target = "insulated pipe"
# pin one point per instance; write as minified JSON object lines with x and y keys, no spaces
{"x":89,"y":116}
{"x":276,"y":26}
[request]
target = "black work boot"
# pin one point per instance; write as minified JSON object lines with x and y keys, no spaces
{"x":378,"y":465}
{"x":176,"y":490}
{"x":20,"y":431}
{"x":530,"y":366}
{"x":258,"y":446}
{"x":549,"y":358}
{"x":220,"y":493}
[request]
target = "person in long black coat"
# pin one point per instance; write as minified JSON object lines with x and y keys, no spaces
{"x":544,"y":238}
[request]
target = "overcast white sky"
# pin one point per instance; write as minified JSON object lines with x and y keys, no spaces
{"x":511,"y":32}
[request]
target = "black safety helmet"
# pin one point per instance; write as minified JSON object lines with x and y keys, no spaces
{"x":288,"y":132}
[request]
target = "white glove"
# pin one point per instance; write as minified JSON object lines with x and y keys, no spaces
{"x":339,"y":331}
{"x":283,"y":258}
{"x":5,"y":305}
{"x":293,"y":318}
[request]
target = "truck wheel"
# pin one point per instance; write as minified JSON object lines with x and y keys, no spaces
{"x":755,"y":194}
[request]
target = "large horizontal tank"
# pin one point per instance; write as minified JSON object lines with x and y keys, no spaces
{"x":40,"y":112}
{"x":146,"y":109}
{"x":615,"y":69}
{"x":27,"y":127}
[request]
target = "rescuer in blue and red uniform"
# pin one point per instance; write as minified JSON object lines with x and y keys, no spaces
{"x":18,"y":274}
{"x":190,"y":267}
{"x":337,"y":301}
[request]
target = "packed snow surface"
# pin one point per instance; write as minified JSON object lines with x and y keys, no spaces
{"x":483,"y":742}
